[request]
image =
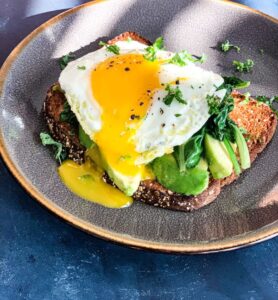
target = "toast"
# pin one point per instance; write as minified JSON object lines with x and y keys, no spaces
{"x":257,"y":118}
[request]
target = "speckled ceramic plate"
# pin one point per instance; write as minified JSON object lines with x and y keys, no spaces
{"x":244,"y":213}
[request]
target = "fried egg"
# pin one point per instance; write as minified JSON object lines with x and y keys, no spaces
{"x":119,"y":102}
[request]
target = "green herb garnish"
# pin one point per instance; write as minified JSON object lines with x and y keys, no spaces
{"x":81,"y":67}
{"x":183,"y":57}
{"x":269,"y":101}
{"x":227,"y":46}
{"x":247,"y":98}
{"x":177,"y":115}
{"x":85,"y":177}
{"x":173,"y":93}
{"x":244,"y":67}
{"x":60,"y":152}
{"x":111,"y":48}
{"x":125,"y":157}
{"x":151,"y":51}
{"x":64,"y":60}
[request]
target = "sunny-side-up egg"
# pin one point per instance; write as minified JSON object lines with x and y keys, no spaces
{"x":119,"y":102}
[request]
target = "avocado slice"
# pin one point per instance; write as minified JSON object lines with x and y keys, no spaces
{"x":127,"y":184}
{"x":190,"y":182}
{"x":218,"y":159}
{"x":84,"y":138}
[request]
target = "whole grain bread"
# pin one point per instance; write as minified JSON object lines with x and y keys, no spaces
{"x":256,"y":118}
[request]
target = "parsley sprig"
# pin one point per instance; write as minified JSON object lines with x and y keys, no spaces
{"x":227,"y":46}
{"x":243,"y":67}
{"x":173,"y":93}
{"x":151,"y":51}
{"x":111,"y":48}
{"x":60,"y":152}
{"x":183,"y":57}
{"x":64,"y":60}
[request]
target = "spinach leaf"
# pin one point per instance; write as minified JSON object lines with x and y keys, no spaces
{"x":189,"y":154}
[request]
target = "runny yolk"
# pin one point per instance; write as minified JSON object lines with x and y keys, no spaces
{"x":86,"y":181}
{"x":123,"y":86}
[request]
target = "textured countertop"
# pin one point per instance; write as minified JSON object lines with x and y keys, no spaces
{"x":42,"y":257}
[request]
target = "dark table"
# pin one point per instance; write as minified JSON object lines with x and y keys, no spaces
{"x":41,"y":257}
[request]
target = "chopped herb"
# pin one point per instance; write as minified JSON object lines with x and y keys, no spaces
{"x":125,"y":157}
{"x":227,"y":46}
{"x":245,"y":67}
{"x":111,"y":48}
{"x":151,"y":51}
{"x":68,"y":115}
{"x":182,"y":58}
{"x":177,"y":115}
{"x":261,"y":51}
{"x":81,"y":67}
{"x":247,"y":98}
{"x":213,"y":103}
{"x":269,"y":101}
{"x":173,"y":93}
{"x":85,"y":177}
{"x":64,"y":60}
{"x":60,"y":152}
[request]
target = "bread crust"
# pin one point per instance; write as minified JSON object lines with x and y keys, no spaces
{"x":258,"y":119}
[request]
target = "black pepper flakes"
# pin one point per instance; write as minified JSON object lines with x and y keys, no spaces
{"x":127,"y":69}
{"x":177,"y":82}
{"x":133,"y":117}
{"x":163,"y":125}
{"x":141,"y":103}
{"x":161,"y":111}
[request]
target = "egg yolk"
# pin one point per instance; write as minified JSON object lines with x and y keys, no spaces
{"x":123,"y":86}
{"x":86,"y":181}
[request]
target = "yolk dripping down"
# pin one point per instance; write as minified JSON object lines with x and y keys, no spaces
{"x":123,"y":87}
{"x":86,"y":181}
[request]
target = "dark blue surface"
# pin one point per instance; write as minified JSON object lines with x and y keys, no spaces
{"x":41,"y":257}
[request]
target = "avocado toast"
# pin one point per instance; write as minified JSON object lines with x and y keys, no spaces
{"x":258,"y":120}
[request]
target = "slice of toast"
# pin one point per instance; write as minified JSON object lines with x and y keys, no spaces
{"x":257,"y":118}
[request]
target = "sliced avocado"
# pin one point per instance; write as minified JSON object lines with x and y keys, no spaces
{"x":219,"y":162}
{"x":127,"y":184}
{"x":84,"y":138}
{"x":190,"y":182}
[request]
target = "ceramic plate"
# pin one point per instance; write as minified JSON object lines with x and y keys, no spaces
{"x":244,"y":213}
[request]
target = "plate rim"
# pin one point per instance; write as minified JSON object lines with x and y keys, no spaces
{"x":249,"y":238}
